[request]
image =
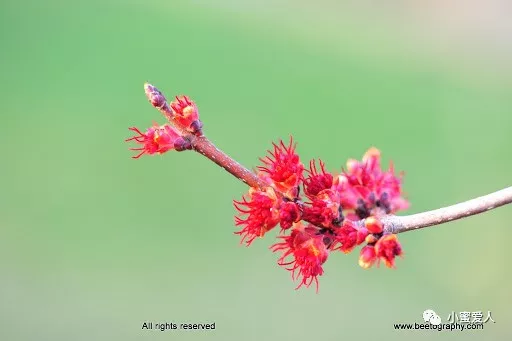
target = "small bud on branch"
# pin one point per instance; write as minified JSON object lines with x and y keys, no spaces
{"x":336,"y":212}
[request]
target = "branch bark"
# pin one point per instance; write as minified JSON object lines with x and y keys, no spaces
{"x":205,"y":147}
{"x":400,"y":224}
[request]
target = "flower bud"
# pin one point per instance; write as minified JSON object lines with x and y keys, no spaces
{"x":373,"y":225}
{"x":387,"y":248}
{"x":155,"y":97}
{"x":367,"y":257}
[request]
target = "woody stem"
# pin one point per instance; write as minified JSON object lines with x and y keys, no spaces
{"x":205,"y":147}
{"x":399,"y":224}
{"x":199,"y":142}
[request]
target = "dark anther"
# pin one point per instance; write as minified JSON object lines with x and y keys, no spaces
{"x":384,"y":202}
{"x":361,"y":209}
{"x":384,"y":196}
{"x":181,"y":144}
{"x":327,"y":241}
{"x":323,"y":230}
{"x":371,"y":197}
{"x":339,"y":220}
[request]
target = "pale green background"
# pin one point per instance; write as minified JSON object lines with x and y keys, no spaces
{"x":93,"y":243}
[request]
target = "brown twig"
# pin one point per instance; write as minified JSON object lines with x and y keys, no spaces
{"x":201,"y":144}
{"x":205,"y":147}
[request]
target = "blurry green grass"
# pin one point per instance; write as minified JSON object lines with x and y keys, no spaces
{"x":93,"y":243}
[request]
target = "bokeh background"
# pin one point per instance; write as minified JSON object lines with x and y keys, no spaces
{"x":93,"y":243}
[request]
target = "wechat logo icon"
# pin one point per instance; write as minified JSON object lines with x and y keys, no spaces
{"x":430,"y":316}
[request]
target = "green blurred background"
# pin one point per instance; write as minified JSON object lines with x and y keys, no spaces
{"x":93,"y":243}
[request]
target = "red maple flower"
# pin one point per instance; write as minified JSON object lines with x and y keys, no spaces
{"x":283,"y":168}
{"x":308,"y":252}
{"x":391,"y":192}
{"x":289,"y":214}
{"x":261,"y":211}
{"x":368,"y":190}
{"x":158,"y":139}
{"x":387,"y":248}
{"x":324,"y":209}
{"x":349,"y":236}
{"x":187,"y":114}
{"x":317,"y":181}
{"x":367,"y":257}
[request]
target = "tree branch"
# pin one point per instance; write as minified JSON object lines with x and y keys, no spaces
{"x":205,"y":147}
{"x":201,"y":143}
{"x":399,"y":224}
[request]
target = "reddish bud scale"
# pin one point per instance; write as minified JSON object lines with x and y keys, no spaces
{"x":371,"y":239}
{"x":367,"y":257}
{"x":158,"y":101}
{"x":373,"y":225}
{"x":155,"y":97}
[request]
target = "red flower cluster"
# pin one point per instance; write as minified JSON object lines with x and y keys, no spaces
{"x":278,"y":203}
{"x":318,"y":212}
{"x":182,"y":113}
{"x":338,"y":212}
{"x":367,"y":190}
